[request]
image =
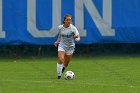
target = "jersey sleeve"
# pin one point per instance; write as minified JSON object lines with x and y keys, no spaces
{"x":75,"y":31}
{"x":59,"y":28}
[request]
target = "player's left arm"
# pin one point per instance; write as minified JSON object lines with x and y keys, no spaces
{"x":77,"y":35}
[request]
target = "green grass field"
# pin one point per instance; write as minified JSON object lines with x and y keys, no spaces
{"x":93,"y":75}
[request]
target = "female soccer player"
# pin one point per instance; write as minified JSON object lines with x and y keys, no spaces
{"x":67,"y":34}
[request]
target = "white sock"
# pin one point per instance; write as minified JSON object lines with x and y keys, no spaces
{"x":59,"y":69}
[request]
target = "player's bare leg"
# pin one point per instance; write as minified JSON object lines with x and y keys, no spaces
{"x":61,"y":56}
{"x":66,"y":61}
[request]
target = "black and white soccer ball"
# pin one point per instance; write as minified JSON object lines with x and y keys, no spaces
{"x":69,"y":75}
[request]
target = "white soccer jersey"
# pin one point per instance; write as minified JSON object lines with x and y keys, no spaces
{"x":67,"y":35}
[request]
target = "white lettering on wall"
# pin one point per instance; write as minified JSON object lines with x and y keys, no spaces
{"x":31,"y":19}
{"x":2,"y":34}
{"x":104,"y":24}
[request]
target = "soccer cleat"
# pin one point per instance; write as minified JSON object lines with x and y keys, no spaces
{"x":59,"y":77}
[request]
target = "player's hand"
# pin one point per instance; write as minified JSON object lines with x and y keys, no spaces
{"x":77,"y":39}
{"x":56,"y":43}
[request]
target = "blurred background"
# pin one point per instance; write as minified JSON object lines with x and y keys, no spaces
{"x":107,"y":27}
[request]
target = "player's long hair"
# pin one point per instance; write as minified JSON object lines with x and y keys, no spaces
{"x":65,"y":16}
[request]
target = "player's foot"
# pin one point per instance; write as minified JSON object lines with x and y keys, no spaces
{"x":58,"y":77}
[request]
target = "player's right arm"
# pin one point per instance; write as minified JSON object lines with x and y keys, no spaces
{"x":59,"y":36}
{"x":57,"y":41}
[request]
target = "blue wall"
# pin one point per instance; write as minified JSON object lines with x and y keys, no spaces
{"x":104,"y":21}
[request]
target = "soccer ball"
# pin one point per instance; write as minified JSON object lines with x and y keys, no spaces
{"x":69,"y":75}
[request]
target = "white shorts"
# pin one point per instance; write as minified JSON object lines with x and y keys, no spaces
{"x":67,"y":50}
